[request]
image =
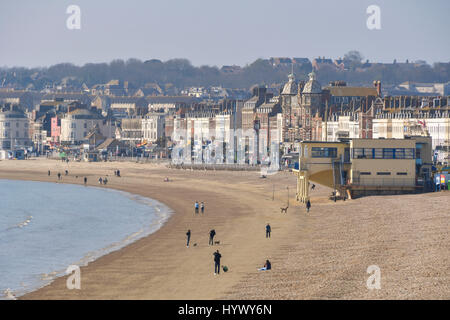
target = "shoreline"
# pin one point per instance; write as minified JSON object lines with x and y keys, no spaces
{"x":321,"y":255}
{"x":161,"y":214}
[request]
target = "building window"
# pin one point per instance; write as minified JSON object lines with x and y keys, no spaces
{"x":365,"y":173}
{"x":383,"y":173}
{"x":409,"y":153}
{"x":402,"y":173}
{"x":323,"y":152}
{"x":399,"y":154}
{"x":357,"y":153}
{"x":388,"y":153}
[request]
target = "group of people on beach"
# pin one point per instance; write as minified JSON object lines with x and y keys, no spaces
{"x":103,"y":181}
{"x":218,"y":256}
{"x":212,"y":233}
{"x":117,"y":173}
{"x":198,"y":206}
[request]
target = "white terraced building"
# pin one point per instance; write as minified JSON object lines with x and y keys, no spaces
{"x":14,"y":129}
{"x":153,"y":127}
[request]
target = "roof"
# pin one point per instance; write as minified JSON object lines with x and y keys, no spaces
{"x":312,"y":86}
{"x":291,"y":86}
{"x":108,"y":143}
{"x":84,"y":113}
{"x":171,"y":99}
{"x":352,"y":91}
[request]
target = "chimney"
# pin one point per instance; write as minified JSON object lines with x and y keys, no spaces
{"x":377,"y":85}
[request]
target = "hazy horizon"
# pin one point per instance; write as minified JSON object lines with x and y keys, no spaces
{"x":216,"y":34}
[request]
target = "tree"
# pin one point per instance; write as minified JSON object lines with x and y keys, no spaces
{"x":353,"y":59}
{"x":354,"y":56}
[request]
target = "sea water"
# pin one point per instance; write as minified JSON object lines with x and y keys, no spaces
{"x":46,"y":227}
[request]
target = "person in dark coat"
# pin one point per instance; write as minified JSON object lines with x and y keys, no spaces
{"x":308,"y":205}
{"x":217,"y":257}
{"x":268,"y":230}
{"x":212,"y":233}
{"x":188,"y":235}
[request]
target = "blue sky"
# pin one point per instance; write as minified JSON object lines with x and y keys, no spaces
{"x":212,"y":32}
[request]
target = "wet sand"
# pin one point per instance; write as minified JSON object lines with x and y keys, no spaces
{"x":320,"y":255}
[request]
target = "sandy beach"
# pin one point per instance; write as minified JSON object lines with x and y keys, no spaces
{"x":323,"y":254}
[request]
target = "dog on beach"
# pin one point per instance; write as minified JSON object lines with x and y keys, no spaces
{"x":284,"y":210}
{"x":216,"y":242}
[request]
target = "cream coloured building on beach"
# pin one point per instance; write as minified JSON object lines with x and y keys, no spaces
{"x":365,"y":166}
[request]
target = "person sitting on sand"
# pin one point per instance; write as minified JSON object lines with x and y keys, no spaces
{"x":202,"y":207}
{"x":100,"y":180}
{"x":49,"y":173}
{"x":166,"y":179}
{"x":85,"y":180}
{"x":118,"y":173}
{"x":105,"y":181}
{"x":66,"y":172}
{"x":267,"y":266}
{"x":59,"y":176}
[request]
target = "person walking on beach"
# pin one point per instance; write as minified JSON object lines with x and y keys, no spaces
{"x":118,"y":173}
{"x":212,"y":233}
{"x":85,"y":180}
{"x":49,"y":173}
{"x":66,"y":172}
{"x":59,"y":176}
{"x":100,"y":180}
{"x":202,"y":207}
{"x":196,"y":206}
{"x":188,"y":235}
{"x":105,"y":181}
{"x":217,"y":257}
{"x":268,"y":230}
{"x":308,"y":205}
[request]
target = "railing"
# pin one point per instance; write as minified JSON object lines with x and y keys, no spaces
{"x":230,"y":167}
{"x":384,"y":182}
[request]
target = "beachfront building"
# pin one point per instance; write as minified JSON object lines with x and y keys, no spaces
{"x":365,"y":166}
{"x":131,"y":131}
{"x":398,"y":125}
{"x":76,"y":125}
{"x":153,"y":127}
{"x":339,"y":127}
{"x":14,"y":128}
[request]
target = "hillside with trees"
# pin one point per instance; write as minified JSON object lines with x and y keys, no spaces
{"x":180,"y":73}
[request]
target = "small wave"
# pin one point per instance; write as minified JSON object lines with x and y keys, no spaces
{"x":22,"y":224}
{"x":8,"y":294}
